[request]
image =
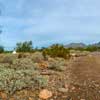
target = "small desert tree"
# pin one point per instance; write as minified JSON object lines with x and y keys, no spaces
{"x":57,"y":50}
{"x":24,"y":46}
{"x":1,"y":47}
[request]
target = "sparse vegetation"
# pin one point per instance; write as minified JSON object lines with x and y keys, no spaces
{"x":49,"y":68}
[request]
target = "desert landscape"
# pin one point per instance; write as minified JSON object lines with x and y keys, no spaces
{"x":28,"y":76}
{"x":49,"y":49}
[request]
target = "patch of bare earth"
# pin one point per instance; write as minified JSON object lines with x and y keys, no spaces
{"x":85,"y":78}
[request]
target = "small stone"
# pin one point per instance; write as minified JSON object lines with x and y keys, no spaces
{"x":30,"y":98}
{"x":45,"y":94}
{"x":64,"y":90}
{"x":66,"y":86}
{"x":73,"y":88}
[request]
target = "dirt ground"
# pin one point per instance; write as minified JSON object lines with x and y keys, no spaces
{"x":85,"y":77}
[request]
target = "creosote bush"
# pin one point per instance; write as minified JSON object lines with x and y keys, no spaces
{"x":56,"y":50}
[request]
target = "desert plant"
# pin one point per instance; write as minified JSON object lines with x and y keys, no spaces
{"x":37,"y":57}
{"x":1,"y":49}
{"x":56,"y":50}
{"x":57,"y":64}
{"x":7,"y":59}
{"x":41,"y":81}
{"x":23,"y":63}
{"x":12,"y":80}
{"x":24,"y":46}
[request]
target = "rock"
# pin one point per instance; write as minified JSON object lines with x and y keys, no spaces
{"x":73,"y":88}
{"x":45,"y":94}
{"x":30,"y":98}
{"x":3,"y":95}
{"x":64,"y":90}
{"x":66,"y":86}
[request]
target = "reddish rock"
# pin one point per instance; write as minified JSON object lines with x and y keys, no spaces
{"x":45,"y":94}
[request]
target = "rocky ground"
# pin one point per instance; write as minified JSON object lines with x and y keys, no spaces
{"x":74,"y":79}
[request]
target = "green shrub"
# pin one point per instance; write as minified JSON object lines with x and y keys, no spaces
{"x":1,"y":49}
{"x":24,"y":47}
{"x":56,"y":50}
{"x":41,"y":81}
{"x":92,"y":48}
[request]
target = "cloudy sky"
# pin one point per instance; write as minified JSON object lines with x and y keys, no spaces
{"x":49,"y":21}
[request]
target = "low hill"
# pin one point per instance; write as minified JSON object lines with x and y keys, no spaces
{"x":75,"y":45}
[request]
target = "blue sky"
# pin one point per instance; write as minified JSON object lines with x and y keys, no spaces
{"x":49,"y":21}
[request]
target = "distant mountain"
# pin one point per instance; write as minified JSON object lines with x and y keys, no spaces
{"x":75,"y":45}
{"x":96,"y":44}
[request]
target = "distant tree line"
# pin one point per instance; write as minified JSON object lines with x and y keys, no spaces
{"x":55,"y":50}
{"x":90,"y":48}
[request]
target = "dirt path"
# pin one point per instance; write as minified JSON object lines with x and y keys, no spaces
{"x":85,"y":78}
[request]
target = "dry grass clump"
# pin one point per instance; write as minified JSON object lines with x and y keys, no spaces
{"x":23,"y":63}
{"x":7,"y":58}
{"x":37,"y":57}
{"x":58,"y":64}
{"x":24,"y":55}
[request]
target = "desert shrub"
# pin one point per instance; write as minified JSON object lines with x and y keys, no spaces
{"x":24,"y":55}
{"x":56,"y":50}
{"x":37,"y":57}
{"x":92,"y":48}
{"x":20,"y":55}
{"x":8,"y":58}
{"x":23,"y":63}
{"x":12,"y":80}
{"x":41,"y":81}
{"x":24,"y":47}
{"x":57,"y":64}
